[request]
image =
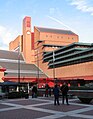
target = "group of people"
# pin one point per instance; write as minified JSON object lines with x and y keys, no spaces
{"x":56,"y":91}
{"x":64,"y":90}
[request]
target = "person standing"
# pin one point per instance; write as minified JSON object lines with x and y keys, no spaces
{"x":64,"y":89}
{"x":56,"y":94}
{"x":49,"y":91}
{"x":34,"y":91}
{"x":46,"y":90}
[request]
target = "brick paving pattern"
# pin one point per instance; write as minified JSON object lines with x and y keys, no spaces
{"x":44,"y":108}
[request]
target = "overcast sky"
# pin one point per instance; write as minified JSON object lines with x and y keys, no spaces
{"x":75,"y":15}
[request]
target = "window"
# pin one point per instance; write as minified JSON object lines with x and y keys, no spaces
{"x":46,"y":35}
{"x":28,"y":23}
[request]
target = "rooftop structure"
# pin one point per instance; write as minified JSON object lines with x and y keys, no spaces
{"x":9,"y":60}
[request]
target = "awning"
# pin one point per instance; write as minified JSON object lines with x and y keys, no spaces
{"x":51,"y":84}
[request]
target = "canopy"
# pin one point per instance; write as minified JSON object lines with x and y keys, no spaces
{"x":51,"y":84}
{"x":10,"y":83}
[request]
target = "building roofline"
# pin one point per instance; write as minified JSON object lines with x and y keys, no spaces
{"x":37,"y":27}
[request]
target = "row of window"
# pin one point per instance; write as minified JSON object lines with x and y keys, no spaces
{"x":82,"y":46}
{"x":58,"y":37}
{"x":73,"y":56}
{"x":73,"y":62}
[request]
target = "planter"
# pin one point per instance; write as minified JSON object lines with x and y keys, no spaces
{"x":84,"y":96}
{"x":85,"y":100}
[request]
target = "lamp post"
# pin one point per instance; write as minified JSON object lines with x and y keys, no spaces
{"x":37,"y":67}
{"x":19,"y":65}
{"x":53,"y":64}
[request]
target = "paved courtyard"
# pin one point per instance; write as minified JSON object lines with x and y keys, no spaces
{"x":43,"y":108}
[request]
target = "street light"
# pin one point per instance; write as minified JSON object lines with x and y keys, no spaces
{"x":19,"y":65}
{"x":37,"y":66}
{"x":54,"y":76}
{"x":53,"y":64}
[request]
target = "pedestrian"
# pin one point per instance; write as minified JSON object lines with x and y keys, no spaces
{"x":56,"y":94}
{"x":46,"y":90}
{"x":49,"y":91}
{"x":64,"y":89}
{"x":34,"y":91}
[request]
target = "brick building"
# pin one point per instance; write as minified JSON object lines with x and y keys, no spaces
{"x":57,"y":53}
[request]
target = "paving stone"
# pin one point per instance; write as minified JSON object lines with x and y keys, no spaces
{"x":43,"y":108}
{"x":22,"y":114}
{"x":2,"y":106}
{"x":26,"y":102}
{"x":63,"y":108}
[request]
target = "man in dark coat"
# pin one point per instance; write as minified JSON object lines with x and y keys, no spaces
{"x":64,"y":89}
{"x":34,"y":91}
{"x":56,"y":95}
